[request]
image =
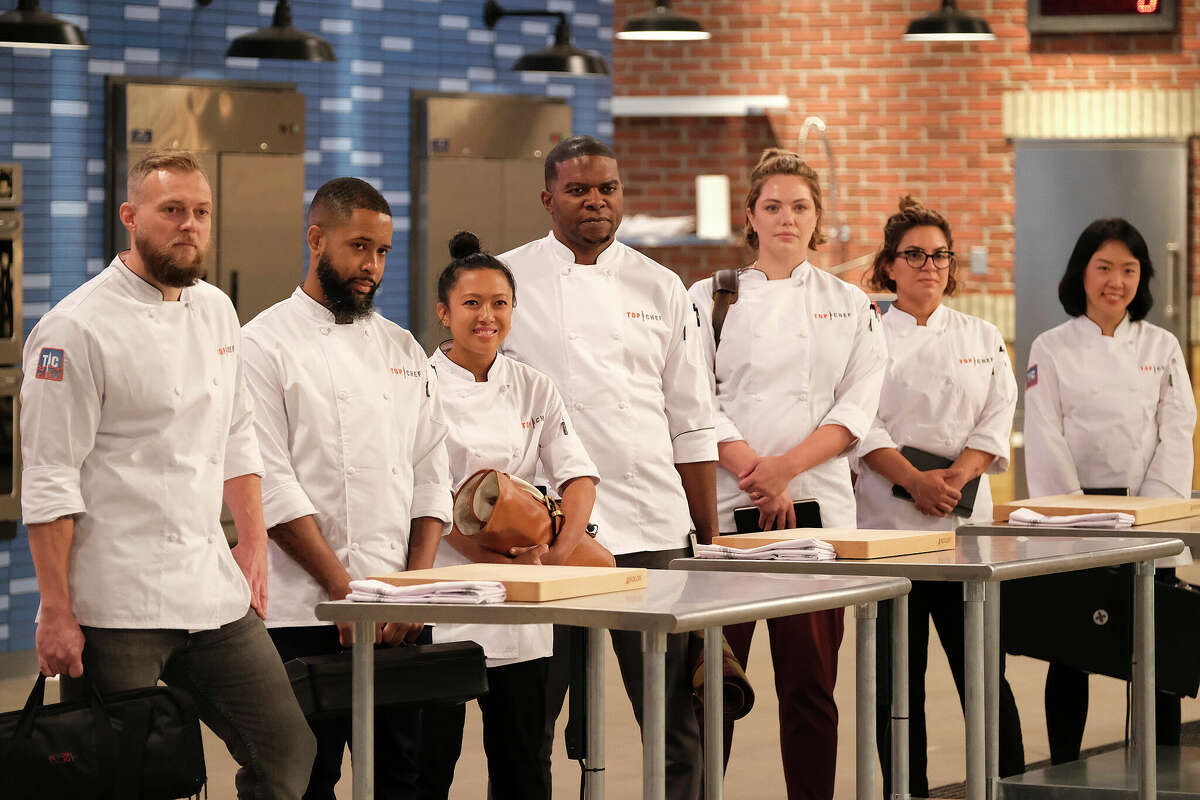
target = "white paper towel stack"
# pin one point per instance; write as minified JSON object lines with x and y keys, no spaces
{"x":712,"y":206}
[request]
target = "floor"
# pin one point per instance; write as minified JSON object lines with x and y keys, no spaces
{"x":754,"y":769}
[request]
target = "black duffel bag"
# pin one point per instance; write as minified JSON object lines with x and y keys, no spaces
{"x":144,"y":743}
{"x":1085,"y":620}
{"x":407,"y":676}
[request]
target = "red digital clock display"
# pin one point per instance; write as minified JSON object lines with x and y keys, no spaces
{"x":1076,"y":8}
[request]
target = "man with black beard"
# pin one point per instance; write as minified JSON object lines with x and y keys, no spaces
{"x":357,"y":480}
{"x":135,"y":422}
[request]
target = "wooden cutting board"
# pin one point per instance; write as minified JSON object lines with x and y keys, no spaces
{"x":531,"y":582}
{"x":851,"y":543}
{"x":1144,"y":510}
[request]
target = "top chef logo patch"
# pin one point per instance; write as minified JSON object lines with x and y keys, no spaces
{"x":1031,"y":376}
{"x":1153,"y":367}
{"x":50,"y":364}
{"x":831,"y":315}
{"x":976,"y":360}
{"x":532,"y":421}
{"x":405,"y":372}
{"x":645,"y":316}
{"x":226,"y":350}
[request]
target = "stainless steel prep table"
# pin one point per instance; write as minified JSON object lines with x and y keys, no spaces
{"x":672,"y":602}
{"x":977,"y":561}
{"x":1186,"y":530}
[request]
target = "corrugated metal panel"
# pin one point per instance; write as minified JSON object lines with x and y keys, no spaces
{"x":1102,"y":114}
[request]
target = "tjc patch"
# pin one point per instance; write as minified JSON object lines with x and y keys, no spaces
{"x":50,"y":364}
{"x":1031,"y":376}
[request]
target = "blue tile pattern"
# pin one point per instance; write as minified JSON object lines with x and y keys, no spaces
{"x":52,"y":121}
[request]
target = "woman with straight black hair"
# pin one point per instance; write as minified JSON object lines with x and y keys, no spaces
{"x":1108,"y":410}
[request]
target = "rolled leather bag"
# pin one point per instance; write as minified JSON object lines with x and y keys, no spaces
{"x":501,"y":511}
{"x":736,"y":691}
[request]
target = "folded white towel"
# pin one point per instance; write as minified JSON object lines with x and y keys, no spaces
{"x":789,"y":550}
{"x":1029,"y":517}
{"x":468,"y":592}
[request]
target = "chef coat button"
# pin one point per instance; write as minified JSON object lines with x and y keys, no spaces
{"x":355,"y":547}
{"x":622,"y":405}
{"x":615,"y":334}
{"x":216,"y":382}
{"x":516,"y":452}
{"x":150,"y":314}
{"x":395,"y":470}
{"x":573,"y":336}
{"x":579,"y":406}
{"x":804,"y":395}
{"x":628,"y":476}
{"x":178,"y":392}
{"x":343,"y":394}
{"x":324,"y":331}
{"x":213,"y":459}
{"x":387,"y":396}
{"x":351,"y":470}
{"x":367,"y":333}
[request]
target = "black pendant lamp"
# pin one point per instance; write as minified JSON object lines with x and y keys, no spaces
{"x":561,"y":58}
{"x":281,"y":40}
{"x":948,"y":25}
{"x":28,"y":26}
{"x":664,"y":25}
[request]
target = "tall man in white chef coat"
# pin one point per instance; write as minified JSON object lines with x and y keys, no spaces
{"x":134,"y":421}
{"x":357,"y":480}
{"x":618,"y":334}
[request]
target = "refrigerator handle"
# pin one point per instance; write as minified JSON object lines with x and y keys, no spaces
{"x":1172,"y":277}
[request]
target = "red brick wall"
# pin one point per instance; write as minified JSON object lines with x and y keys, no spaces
{"x":903,"y":117}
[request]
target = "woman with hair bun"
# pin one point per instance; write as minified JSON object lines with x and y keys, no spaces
{"x":505,"y":415}
{"x":944,"y":420}
{"x":1108,"y":410}
{"x":795,"y":375}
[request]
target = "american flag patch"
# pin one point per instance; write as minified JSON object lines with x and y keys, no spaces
{"x":1031,"y":376}
{"x":50,"y":364}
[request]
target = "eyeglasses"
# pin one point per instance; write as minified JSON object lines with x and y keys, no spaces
{"x":916,"y":258}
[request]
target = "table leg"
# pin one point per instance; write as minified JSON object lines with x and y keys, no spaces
{"x":865,"y":615}
{"x":991,"y":674}
{"x":973,"y":596}
{"x":1143,"y":679}
{"x":900,"y":697}
{"x":362,"y":750}
{"x":594,"y":780}
{"x":714,"y":713}
{"x":654,"y":715}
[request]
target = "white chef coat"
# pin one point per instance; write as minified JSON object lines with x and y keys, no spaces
{"x":796,"y":354}
{"x":134,"y":413}
{"x":1109,"y":411}
{"x":618,"y":338}
{"x":513,"y":421}
{"x":351,"y":431}
{"x":949,"y":386}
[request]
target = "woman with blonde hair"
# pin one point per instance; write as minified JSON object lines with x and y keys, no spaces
{"x":944,"y":419}
{"x":796,"y":364}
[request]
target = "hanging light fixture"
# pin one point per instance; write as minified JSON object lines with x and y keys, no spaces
{"x":281,"y":40}
{"x":561,"y":58}
{"x":948,"y":25}
{"x":28,"y":26}
{"x":664,"y":25}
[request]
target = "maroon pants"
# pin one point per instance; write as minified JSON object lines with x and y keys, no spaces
{"x":804,"y":650}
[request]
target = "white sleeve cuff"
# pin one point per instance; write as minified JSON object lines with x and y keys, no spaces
{"x":432,"y":500}
{"x":694,"y":446}
{"x":285,"y":503}
{"x":48,"y":493}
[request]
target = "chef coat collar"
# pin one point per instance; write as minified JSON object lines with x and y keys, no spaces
{"x":317,"y":312}
{"x":903,"y":320}
{"x":798,"y":277}
{"x":459,"y":372}
{"x":142,"y":289}
{"x":1087,"y":327}
{"x":607,"y":256}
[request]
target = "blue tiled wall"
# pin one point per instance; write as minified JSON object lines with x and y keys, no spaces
{"x":52,"y":121}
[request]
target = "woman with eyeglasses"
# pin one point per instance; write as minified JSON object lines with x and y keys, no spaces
{"x":1108,"y":410}
{"x":795,"y":373}
{"x":944,"y":420}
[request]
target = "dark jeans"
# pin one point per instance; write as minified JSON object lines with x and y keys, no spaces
{"x":514,"y":715}
{"x":804,"y":657}
{"x":397,"y":733}
{"x":684,"y":766}
{"x":943,"y":602}
{"x":237,"y":681}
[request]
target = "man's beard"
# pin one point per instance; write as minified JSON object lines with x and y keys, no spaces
{"x":346,"y":304}
{"x":166,"y":268}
